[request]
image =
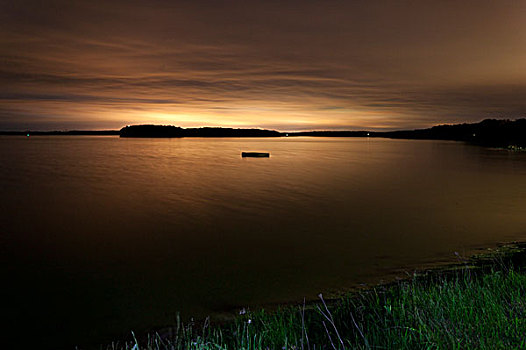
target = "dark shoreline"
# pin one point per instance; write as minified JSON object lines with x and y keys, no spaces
{"x":489,"y":132}
{"x":478,"y":258}
{"x":501,"y":258}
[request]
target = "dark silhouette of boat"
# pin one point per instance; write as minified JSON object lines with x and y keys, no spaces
{"x":255,"y":154}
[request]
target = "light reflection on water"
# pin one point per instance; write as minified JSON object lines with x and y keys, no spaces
{"x":101,"y":235}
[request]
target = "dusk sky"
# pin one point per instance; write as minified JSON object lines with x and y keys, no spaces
{"x":285,"y":65}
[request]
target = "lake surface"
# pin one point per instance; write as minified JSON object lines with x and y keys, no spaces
{"x":102,"y":235}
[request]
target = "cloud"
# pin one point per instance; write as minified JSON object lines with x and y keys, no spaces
{"x":293,"y":65}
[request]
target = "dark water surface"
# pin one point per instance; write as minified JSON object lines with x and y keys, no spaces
{"x":101,"y":235}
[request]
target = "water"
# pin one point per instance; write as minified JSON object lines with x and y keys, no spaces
{"x":101,"y":235}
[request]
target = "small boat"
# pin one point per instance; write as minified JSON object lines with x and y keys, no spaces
{"x":255,"y":154}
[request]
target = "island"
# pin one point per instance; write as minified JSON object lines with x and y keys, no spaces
{"x":175,"y":131}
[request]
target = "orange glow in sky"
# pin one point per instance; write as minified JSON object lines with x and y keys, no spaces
{"x":298,"y":65}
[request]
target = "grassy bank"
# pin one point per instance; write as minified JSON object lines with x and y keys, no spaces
{"x":481,"y":305}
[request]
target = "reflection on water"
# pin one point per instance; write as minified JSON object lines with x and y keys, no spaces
{"x":102,"y":235}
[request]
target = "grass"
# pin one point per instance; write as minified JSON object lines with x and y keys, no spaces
{"x":482,"y":308}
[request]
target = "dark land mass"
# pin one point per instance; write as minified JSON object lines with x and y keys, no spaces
{"x":175,"y":131}
{"x":489,"y":132}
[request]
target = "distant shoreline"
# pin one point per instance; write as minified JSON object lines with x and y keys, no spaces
{"x":489,"y":132}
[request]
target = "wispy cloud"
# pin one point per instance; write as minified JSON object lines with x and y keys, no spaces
{"x":298,"y":65}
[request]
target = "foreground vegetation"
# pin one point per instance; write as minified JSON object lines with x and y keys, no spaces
{"x":482,"y":308}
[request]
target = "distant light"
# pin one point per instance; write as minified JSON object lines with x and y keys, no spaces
{"x":27,"y":135}
{"x":474,"y":135}
{"x":286,"y":135}
{"x":367,"y":134}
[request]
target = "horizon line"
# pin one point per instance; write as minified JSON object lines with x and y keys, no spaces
{"x":243,"y":128}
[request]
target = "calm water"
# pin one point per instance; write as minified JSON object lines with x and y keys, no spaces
{"x":101,"y":235}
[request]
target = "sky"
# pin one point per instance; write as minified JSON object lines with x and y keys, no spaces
{"x":284,"y":65}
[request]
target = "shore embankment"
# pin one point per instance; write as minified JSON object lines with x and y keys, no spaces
{"x":478,"y":303}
